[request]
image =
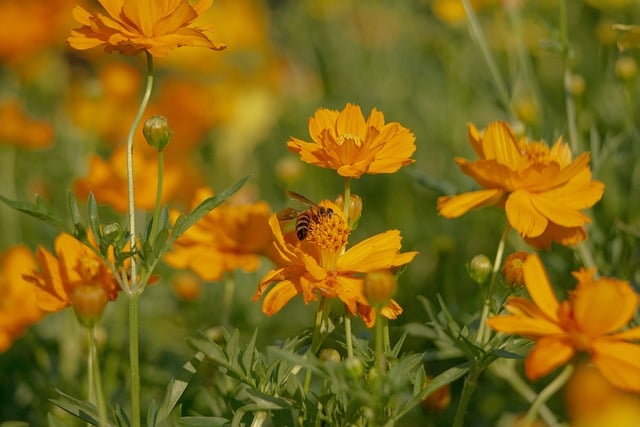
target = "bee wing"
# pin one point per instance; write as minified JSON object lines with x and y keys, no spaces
{"x":299,"y":198}
{"x":287,"y":214}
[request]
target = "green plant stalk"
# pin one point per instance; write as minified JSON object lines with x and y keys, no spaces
{"x":470,"y":384}
{"x":229,"y":290}
{"x":569,"y":104}
{"x":9,"y":217}
{"x":476,"y":32}
{"x":95,"y":377}
{"x":156,"y":209}
{"x":134,"y":290}
{"x":319,"y":321}
{"x":546,"y":393}
{"x":347,"y":314}
{"x":379,"y":344}
{"x":480,"y":337}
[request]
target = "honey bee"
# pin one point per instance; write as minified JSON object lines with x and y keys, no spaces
{"x":303,"y":217}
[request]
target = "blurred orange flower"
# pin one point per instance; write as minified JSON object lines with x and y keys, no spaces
{"x":73,"y":267}
{"x":320,"y":265}
{"x":107,"y":178}
{"x":20,"y":130}
{"x":230,"y":237}
{"x":136,"y":25}
{"x":587,"y":323}
{"x":542,"y":190}
{"x":344,"y":141}
{"x":18,"y":303}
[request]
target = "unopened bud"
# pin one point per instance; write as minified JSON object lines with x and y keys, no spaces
{"x":112,"y":232}
{"x":157,"y":132}
{"x":354,"y":367}
{"x":355,"y":209}
{"x":379,"y":287}
{"x":439,"y":400}
{"x":512,"y":269}
{"x":329,"y":355}
{"x":89,"y":301}
{"x":479,"y":268}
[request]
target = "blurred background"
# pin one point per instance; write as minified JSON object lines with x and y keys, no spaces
{"x":64,"y":116}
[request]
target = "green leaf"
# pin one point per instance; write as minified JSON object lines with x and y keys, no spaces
{"x":204,"y":208}
{"x":79,"y":408}
{"x":121,"y":417}
{"x":249,"y":350}
{"x":94,"y":219}
{"x":38,"y":210}
{"x":203,"y":421}
{"x":152,"y":414}
{"x":177,"y":386}
{"x":80,"y":231}
{"x":447,"y":377}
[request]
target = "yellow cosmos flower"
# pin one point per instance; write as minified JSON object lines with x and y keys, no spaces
{"x":230,"y":237}
{"x":592,"y":321}
{"x":136,"y":25}
{"x":319,"y":265}
{"x":63,"y":275}
{"x":542,"y":189}
{"x":18,"y":304}
{"x":344,"y":141}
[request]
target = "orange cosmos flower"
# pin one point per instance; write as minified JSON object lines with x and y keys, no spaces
{"x":319,"y":265}
{"x":18,"y":304}
{"x":542,"y":190}
{"x":136,"y":25}
{"x":230,"y":237}
{"x":591,"y":321}
{"x":20,"y":130}
{"x":344,"y":141}
{"x":65,"y":276}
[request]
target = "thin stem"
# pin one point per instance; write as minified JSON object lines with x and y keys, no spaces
{"x":9,"y":217}
{"x":347,"y":314}
{"x":379,"y":344}
{"x":156,"y":210}
{"x":319,"y":325}
{"x":134,"y":358}
{"x":95,"y":377}
{"x":476,"y":32}
{"x":470,"y":384}
{"x":130,"y":172}
{"x":545,"y":394}
{"x":480,"y":337}
{"x":229,"y":290}
{"x":569,"y":103}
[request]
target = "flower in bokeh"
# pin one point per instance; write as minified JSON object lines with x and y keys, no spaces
{"x":592,"y":321}
{"x":345,"y":141}
{"x":65,"y":278}
{"x":452,"y":11}
{"x":592,"y":401}
{"x":107,"y":178}
{"x":542,"y":189}
{"x":230,"y":237}
{"x":20,"y":130}
{"x":319,"y":265}
{"x":136,"y":25}
{"x":18,"y":303}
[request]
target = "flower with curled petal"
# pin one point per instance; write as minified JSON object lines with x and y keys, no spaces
{"x":542,"y":190}
{"x":593,"y":320}
{"x":131,"y":26}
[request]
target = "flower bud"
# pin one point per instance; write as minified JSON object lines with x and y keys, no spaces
{"x":576,"y":85}
{"x":355,"y":209}
{"x":157,"y":132}
{"x":354,"y":367}
{"x":112,"y":232}
{"x":186,"y":285}
{"x":439,"y":400}
{"x":626,"y":68}
{"x":379,"y":287}
{"x":329,"y":355}
{"x":479,"y":268}
{"x":88,"y":301}
{"x":512,"y":269}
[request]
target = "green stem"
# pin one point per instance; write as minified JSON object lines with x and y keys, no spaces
{"x":9,"y":217}
{"x":545,"y":394}
{"x":476,"y":32}
{"x":379,"y":344}
{"x":470,"y":384}
{"x":134,"y":358}
{"x":95,"y":377}
{"x":319,"y":325}
{"x":480,"y":337}
{"x":347,"y":314}
{"x":229,"y":290}
{"x":133,"y":285}
{"x":156,"y":210}
{"x":134,"y":289}
{"x":569,"y":102}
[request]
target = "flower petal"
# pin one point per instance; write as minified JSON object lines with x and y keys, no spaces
{"x":539,"y":287}
{"x":278,"y":297}
{"x":455,"y":206}
{"x":498,"y":142}
{"x":523,"y":216}
{"x":618,"y":362}
{"x":548,"y":354}
{"x":378,"y":252}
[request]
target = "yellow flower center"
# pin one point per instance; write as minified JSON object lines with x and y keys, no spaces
{"x":355,"y":139}
{"x":536,"y":152}
{"x":328,"y":232}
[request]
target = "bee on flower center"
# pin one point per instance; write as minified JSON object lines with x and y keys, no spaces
{"x":304,"y":218}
